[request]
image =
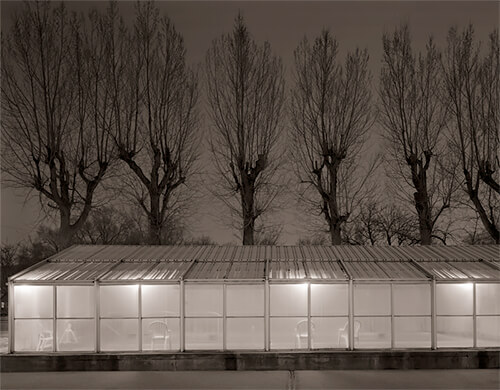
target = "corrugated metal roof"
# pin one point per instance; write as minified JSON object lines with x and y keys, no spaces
{"x":132,"y":262}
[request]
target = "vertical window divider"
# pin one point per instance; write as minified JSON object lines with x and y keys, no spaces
{"x":309,"y":323}
{"x":97,"y":300}
{"x":139,"y":315}
{"x":433,"y":315}
{"x":392,"y":316}
{"x":267,"y":341}
{"x":351,"y":315}
{"x":54,"y":320}
{"x":224,"y":316}
{"x":183,"y":317}
{"x":474,"y":316}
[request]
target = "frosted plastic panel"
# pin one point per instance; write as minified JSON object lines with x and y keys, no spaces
{"x":245,"y":333}
{"x":203,"y":333}
{"x":160,"y":334}
{"x":160,"y":301}
{"x":245,"y":300}
{"x":33,"y":301}
{"x":488,"y":331}
{"x":75,"y":335}
{"x":372,"y":299}
{"x":203,"y":300}
{"x":289,"y":299}
{"x":372,"y":332}
{"x":119,"y":335}
{"x":329,"y":299}
{"x":454,"y":299}
{"x":329,"y":332}
{"x":412,"y":299}
{"x":33,"y":335}
{"x":412,"y":332}
{"x":454,"y":332}
{"x":289,"y":333}
{"x":119,"y":301}
{"x":75,"y":301}
{"x":488,"y":298}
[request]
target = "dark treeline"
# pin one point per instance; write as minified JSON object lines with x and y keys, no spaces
{"x":102,"y":119}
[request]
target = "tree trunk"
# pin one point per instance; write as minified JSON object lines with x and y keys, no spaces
{"x":335,"y":233}
{"x":424,"y":217}
{"x":248,"y":231}
{"x":66,"y":231}
{"x":247,"y":200}
{"x":155,"y":223}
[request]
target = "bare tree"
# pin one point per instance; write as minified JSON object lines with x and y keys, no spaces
{"x":55,"y":138}
{"x":472,"y":88}
{"x":245,"y":89}
{"x":414,"y":119}
{"x":156,"y":131}
{"x":331,"y":114}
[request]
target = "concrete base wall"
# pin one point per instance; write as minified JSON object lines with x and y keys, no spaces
{"x":314,"y":360}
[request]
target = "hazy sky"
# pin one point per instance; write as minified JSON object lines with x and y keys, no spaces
{"x":283,"y":24}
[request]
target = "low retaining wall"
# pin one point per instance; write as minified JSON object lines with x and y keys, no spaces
{"x":314,"y":360}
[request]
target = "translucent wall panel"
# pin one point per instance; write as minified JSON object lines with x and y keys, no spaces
{"x":412,"y":299}
{"x":329,"y":299}
{"x":119,"y":301}
{"x":245,"y":300}
{"x":160,"y":334}
{"x":289,"y":299}
{"x":488,"y":298}
{"x":372,"y":332}
{"x":160,"y":300}
{"x":203,"y":300}
{"x":288,"y":333}
{"x":119,"y":335}
{"x":75,"y":301}
{"x":245,"y":333}
{"x":488,"y":331}
{"x":329,"y":332}
{"x":203,"y":333}
{"x":412,"y":332}
{"x":372,"y":299}
{"x":33,"y":335}
{"x":454,"y":299}
{"x":33,"y":301}
{"x":454,"y":332}
{"x":75,"y":335}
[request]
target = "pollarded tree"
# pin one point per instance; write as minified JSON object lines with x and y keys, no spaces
{"x":414,"y":119}
{"x":54,"y":105}
{"x":156,"y":133}
{"x":331,"y":114}
{"x":472,"y":89}
{"x":245,"y":90}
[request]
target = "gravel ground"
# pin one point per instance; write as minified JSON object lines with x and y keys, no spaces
{"x":367,"y":379}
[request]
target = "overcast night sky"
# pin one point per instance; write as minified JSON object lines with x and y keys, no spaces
{"x":283,"y":24}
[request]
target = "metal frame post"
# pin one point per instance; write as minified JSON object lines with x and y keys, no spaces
{"x":224,"y":317}
{"x":351,"y":315}
{"x":392,"y":316}
{"x":182,"y":317}
{"x":309,"y":323}
{"x":54,"y":318}
{"x":433,"y":315}
{"x":139,"y":315}
{"x":474,"y":316}
{"x":97,"y":300}
{"x":267,"y":322}
{"x":10,"y":317}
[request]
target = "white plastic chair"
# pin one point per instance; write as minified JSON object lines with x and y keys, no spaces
{"x":45,"y":339}
{"x":160,"y":332}
{"x":302,"y":332}
{"x":344,"y":333}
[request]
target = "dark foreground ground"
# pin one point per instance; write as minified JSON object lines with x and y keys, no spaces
{"x":354,"y":379}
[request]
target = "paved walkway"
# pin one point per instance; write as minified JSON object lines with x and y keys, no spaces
{"x":367,"y":379}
